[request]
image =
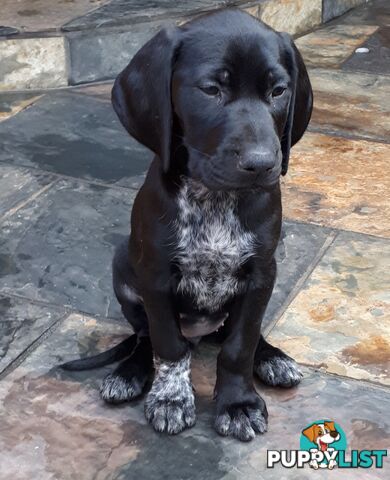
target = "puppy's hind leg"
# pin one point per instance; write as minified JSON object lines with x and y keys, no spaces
{"x":274,"y":367}
{"x":128,"y":380}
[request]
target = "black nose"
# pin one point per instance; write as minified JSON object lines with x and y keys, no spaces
{"x":334,"y":434}
{"x":257,"y":161}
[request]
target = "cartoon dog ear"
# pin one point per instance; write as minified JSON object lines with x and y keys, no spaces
{"x":141,"y":95}
{"x":330,"y":425}
{"x":301,"y":103}
{"x":310,"y":432}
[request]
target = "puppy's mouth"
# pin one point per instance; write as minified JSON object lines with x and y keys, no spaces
{"x":213,"y":178}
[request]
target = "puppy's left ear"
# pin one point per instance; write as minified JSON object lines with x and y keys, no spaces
{"x":301,"y":103}
{"x":141,"y":95}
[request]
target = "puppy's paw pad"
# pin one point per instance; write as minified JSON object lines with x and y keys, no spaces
{"x":170,"y":416}
{"x":279,"y":371}
{"x":117,"y":389}
{"x":241,"y":423}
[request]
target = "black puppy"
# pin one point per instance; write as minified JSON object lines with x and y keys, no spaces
{"x":220,"y":101}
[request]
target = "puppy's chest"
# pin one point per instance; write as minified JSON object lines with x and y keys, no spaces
{"x":212,"y":246}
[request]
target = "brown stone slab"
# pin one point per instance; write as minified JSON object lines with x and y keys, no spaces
{"x":53,"y":425}
{"x":339,"y":183}
{"x":351,"y":104}
{"x":340,"y":320}
{"x":330,"y":46}
{"x":291,"y":16}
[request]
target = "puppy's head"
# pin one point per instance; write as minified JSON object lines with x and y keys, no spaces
{"x":226,"y":90}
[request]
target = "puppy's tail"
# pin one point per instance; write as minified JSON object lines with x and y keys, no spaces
{"x":114,"y":354}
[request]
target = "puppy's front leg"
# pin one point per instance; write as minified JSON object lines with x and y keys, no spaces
{"x":169,"y":405}
{"x":241,"y":412}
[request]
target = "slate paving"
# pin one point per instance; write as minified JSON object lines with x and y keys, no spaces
{"x":69,"y":174}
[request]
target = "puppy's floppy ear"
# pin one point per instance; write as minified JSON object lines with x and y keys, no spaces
{"x":141,"y":95}
{"x":301,"y":103}
{"x":310,"y":432}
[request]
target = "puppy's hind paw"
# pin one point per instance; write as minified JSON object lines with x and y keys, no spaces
{"x":242,"y":422}
{"x":117,"y":389}
{"x":279,"y":371}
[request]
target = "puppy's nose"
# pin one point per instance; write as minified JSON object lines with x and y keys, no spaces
{"x":257,"y":161}
{"x":334,"y":434}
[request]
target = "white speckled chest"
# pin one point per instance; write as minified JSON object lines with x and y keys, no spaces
{"x":212,"y":245}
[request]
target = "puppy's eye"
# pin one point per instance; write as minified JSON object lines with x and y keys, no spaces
{"x":211,"y":90}
{"x":278,"y":91}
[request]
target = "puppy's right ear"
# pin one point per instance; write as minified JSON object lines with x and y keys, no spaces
{"x":141,"y":95}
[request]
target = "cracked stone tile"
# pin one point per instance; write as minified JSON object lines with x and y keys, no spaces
{"x":330,"y":46}
{"x":17,"y":185}
{"x":22,"y":322}
{"x":59,"y":248}
{"x":351,"y":104}
{"x":74,"y":135}
{"x":339,"y":183}
{"x":48,"y":414}
{"x":340,"y":319}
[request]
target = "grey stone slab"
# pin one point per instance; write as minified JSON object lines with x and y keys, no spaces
{"x":21,"y":323}
{"x":375,"y":12}
{"x":75,"y":135}
{"x":47,"y":415}
{"x":335,"y":8}
{"x":59,"y":248}
{"x":377,"y":59}
{"x":17,"y":185}
{"x":298,"y":247}
{"x":116,"y":49}
{"x":119,"y":12}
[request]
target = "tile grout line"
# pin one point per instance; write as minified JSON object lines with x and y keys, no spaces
{"x":67,"y":308}
{"x":32,"y":347}
{"x":317,"y":128}
{"x":302,"y":280}
{"x":60,"y":176}
{"x":336,"y":229}
{"x":362,"y":382}
{"x":30,"y":199}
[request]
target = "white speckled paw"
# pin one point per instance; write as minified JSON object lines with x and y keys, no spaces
{"x":241,"y":422}
{"x":170,"y":404}
{"x":279,"y":371}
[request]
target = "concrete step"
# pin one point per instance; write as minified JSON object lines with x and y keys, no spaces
{"x":57,"y":43}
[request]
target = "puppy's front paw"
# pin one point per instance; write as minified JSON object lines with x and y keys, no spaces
{"x":279,"y":371}
{"x":242,"y":422}
{"x":170,"y":405}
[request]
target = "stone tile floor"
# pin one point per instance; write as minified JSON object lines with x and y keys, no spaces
{"x":68,"y":177}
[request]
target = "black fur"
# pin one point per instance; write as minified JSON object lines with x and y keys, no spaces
{"x":220,"y":100}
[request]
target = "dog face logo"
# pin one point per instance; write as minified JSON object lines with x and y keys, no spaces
{"x":322,"y":434}
{"x":325,"y":438}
